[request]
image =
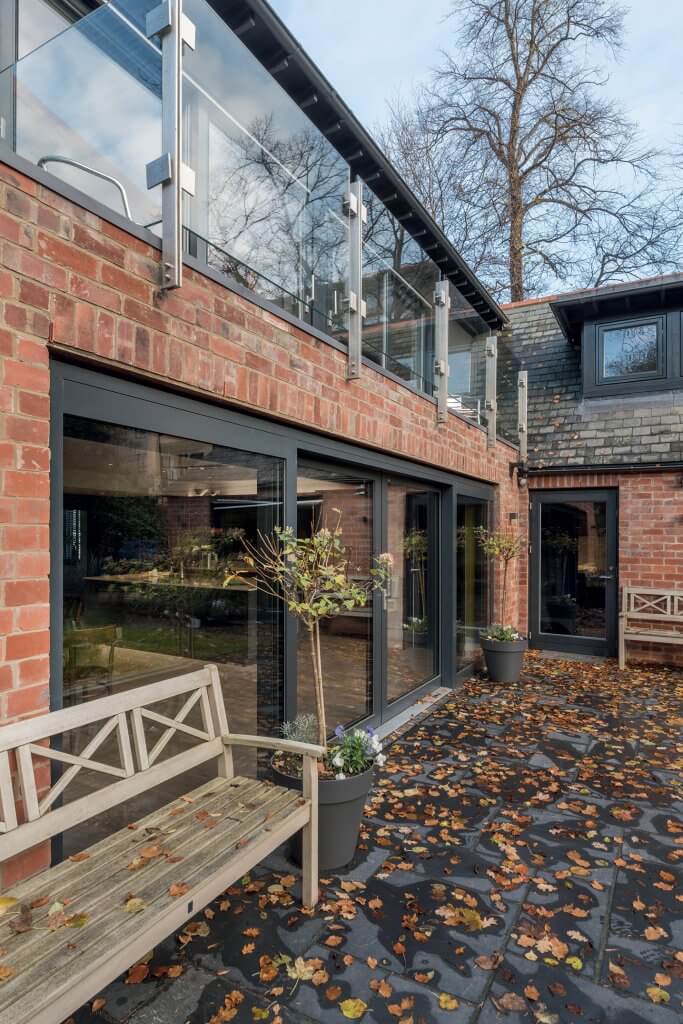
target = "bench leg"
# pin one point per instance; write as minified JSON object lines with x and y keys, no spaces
{"x":622,"y":645}
{"x":309,"y":859}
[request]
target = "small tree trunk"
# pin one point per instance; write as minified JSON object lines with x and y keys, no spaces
{"x":503,"y":600}
{"x":316,"y":658}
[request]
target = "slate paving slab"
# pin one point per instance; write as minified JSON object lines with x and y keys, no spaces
{"x":520,"y":860}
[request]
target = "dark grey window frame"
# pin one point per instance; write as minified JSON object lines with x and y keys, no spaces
{"x":119,"y":399}
{"x":670,"y":360}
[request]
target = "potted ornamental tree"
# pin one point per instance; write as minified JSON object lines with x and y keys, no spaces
{"x":503,"y":645}
{"x":310,"y":575}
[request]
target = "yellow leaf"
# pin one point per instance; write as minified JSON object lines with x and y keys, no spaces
{"x":134,"y":905}
{"x":259,"y":1014}
{"x":353,"y":1009}
{"x":657,"y":995}
{"x":448,"y":1002}
{"x":6,"y":903}
{"x":575,"y":961}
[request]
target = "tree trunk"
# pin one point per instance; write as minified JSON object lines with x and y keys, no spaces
{"x":516,"y":244}
{"x":316,"y":658}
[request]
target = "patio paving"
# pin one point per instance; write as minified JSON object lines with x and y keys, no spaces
{"x":521,"y":860}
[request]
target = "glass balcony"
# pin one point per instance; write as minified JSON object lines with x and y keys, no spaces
{"x":86,"y":106}
{"x":269,"y":209}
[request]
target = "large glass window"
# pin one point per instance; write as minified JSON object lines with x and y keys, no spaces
{"x":472,"y":579}
{"x":412,"y":604}
{"x":155,"y":584}
{"x":324,"y":494}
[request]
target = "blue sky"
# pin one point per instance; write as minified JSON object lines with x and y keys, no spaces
{"x":372,"y":50}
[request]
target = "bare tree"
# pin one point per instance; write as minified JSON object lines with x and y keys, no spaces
{"x":529,"y":168}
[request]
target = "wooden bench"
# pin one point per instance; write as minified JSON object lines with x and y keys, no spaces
{"x":650,"y":615}
{"x":175,"y":860}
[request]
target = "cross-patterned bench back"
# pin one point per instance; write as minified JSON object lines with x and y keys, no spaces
{"x":653,"y":604}
{"x":139,"y":767}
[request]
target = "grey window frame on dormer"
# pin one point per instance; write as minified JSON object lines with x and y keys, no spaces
{"x":667,"y":375}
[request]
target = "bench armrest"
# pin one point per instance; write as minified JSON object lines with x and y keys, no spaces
{"x":273,"y":743}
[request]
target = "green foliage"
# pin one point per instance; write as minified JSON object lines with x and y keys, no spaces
{"x":501,"y":633}
{"x":302,"y":729}
{"x":353,"y":753}
{"x":502,"y":547}
{"x":311,"y":576}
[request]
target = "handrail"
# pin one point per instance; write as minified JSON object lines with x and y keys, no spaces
{"x":91,"y":170}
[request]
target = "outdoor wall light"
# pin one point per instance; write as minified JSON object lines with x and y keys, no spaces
{"x":522,"y":472}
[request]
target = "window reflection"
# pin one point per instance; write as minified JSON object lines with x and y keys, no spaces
{"x":472,"y":579}
{"x":346,"y":639}
{"x":153,"y":529}
{"x":630,"y":351}
{"x":412,"y":601}
{"x":574,"y":570}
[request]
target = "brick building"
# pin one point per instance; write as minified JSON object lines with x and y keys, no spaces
{"x":147,"y":429}
{"x":605,"y":453}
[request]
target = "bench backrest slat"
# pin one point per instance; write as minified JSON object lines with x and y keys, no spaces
{"x":653,"y":604}
{"x":134,"y":774}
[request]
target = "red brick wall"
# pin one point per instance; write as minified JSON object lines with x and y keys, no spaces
{"x":650,"y":534}
{"x":73,"y":282}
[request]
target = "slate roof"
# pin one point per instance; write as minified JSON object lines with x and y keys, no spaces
{"x":564,"y":428}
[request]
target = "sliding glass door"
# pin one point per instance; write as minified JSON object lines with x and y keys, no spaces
{"x":326,"y":495}
{"x":412,"y":606}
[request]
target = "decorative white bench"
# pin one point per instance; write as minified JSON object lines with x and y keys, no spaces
{"x":175,"y":860}
{"x":641,"y":606}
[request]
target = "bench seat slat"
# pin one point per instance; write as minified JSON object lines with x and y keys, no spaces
{"x":46,"y":970}
{"x":116,"y":851}
{"x":98,"y":900}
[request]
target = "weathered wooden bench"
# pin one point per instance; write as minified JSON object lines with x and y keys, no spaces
{"x":650,"y":615}
{"x":73,"y":928}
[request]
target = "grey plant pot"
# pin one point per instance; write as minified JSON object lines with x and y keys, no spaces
{"x":504,"y":659}
{"x":340,"y":811}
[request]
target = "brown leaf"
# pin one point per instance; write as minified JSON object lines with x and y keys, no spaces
{"x":97,"y":1004}
{"x":333,"y":992}
{"x":333,"y":940}
{"x":23,"y":922}
{"x":6,"y":973}
{"x":137,"y":974}
{"x":531,"y":992}
{"x":651,"y":933}
{"x":510,"y":1003}
{"x":78,"y":857}
{"x":178,"y":889}
{"x":488,"y":963}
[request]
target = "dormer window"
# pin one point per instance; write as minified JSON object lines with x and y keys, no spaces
{"x":632,"y":350}
{"x":628,"y":356}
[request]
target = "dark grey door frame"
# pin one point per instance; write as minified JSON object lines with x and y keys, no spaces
{"x":82,"y":391}
{"x":576,"y":644}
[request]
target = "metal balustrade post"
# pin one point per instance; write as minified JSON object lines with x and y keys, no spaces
{"x":442,"y":303}
{"x":522,"y":414}
{"x":491,"y":399}
{"x":174,"y":29}
{"x":357,"y":212}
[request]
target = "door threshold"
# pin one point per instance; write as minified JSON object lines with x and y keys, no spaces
{"x":593,"y":659}
{"x":416,"y":710}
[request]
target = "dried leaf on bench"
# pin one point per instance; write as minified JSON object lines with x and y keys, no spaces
{"x":134,"y":904}
{"x":178,"y":889}
{"x":40,"y":901}
{"x":23,"y":922}
{"x":6,"y":903}
{"x":78,"y":857}
{"x":6,"y":973}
